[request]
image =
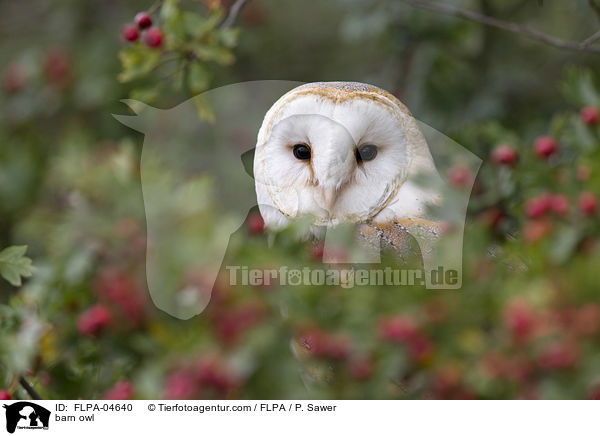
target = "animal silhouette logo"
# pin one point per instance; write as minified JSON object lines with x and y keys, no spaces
{"x":26,"y":415}
{"x":181,"y":203}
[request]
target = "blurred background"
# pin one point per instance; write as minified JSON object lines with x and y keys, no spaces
{"x":76,"y":318}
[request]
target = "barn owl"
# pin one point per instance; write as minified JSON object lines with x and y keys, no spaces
{"x":345,"y":152}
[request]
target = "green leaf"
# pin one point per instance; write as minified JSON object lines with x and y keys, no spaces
{"x":583,"y":136}
{"x":220,"y":55}
{"x":229,"y":37}
{"x":198,"y":26}
{"x":174,"y":21}
{"x":146,"y":94}
{"x":564,"y":245}
{"x":194,"y":24}
{"x":579,"y":88}
{"x":198,"y":78}
{"x":14,"y":264}
{"x":203,"y":109}
{"x":137,"y":61}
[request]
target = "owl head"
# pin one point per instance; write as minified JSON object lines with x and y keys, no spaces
{"x":341,"y":152}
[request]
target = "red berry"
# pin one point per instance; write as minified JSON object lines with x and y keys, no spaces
{"x":5,"y":396}
{"x":560,"y":204}
{"x":587,"y":319}
{"x":535,"y":230}
{"x":178,"y":386}
{"x":153,"y":37}
{"x":588,"y":203}
{"x":559,"y":355}
{"x":520,"y":319}
{"x":446,"y":380}
{"x":537,"y":206}
{"x":93,"y":320}
{"x":312,"y":340}
{"x":491,"y":218}
{"x":124,"y":293}
{"x":460,"y":176}
{"x":495,"y":364}
{"x":406,"y":331}
{"x":595,"y":393}
{"x":398,"y":328}
{"x":520,"y":369}
{"x":143,"y":20}
{"x":316,"y":252}
{"x":545,"y":146}
{"x":505,"y":155}
{"x":231,"y":324}
{"x":436,"y":311}
{"x":130,"y":33}
{"x":361,"y":368}
{"x":335,"y":254}
{"x":127,"y":227}
{"x":583,"y":173}
{"x":322,"y":344}
{"x":214,"y":373}
{"x":256,"y":224}
{"x":57,"y":67}
{"x":420,"y":347}
{"x":14,"y":78}
{"x":338,"y":346}
{"x":590,"y":115}
{"x":122,"y":391}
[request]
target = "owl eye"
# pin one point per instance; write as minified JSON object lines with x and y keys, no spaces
{"x":366,"y":153}
{"x":301,"y":152}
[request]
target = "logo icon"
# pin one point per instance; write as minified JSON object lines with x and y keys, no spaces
{"x":26,"y":415}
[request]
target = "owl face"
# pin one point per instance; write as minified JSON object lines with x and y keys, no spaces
{"x":333,"y":155}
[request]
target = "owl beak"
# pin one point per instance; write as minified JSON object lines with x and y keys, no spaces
{"x":329,"y":196}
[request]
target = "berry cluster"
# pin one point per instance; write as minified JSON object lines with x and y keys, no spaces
{"x":121,"y":299}
{"x":210,"y":374}
{"x":406,"y":331}
{"x":151,"y":36}
{"x":542,"y":340}
{"x":327,"y":345}
{"x":54,"y":69}
{"x":121,"y":391}
{"x":537,"y":209}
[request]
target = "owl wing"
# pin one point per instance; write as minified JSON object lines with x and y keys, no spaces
{"x":399,"y":235}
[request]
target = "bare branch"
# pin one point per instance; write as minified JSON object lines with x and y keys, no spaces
{"x":595,"y":37}
{"x":29,"y":389}
{"x":157,"y":4}
{"x":234,"y":12}
{"x":505,"y":25}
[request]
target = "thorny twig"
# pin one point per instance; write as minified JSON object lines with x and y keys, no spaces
{"x":234,"y":12}
{"x":30,"y":390}
{"x":507,"y":25}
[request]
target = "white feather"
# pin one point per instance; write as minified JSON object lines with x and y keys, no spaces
{"x":334,"y":120}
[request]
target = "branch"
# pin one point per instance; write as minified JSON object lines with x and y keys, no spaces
{"x":591,"y":39}
{"x":505,"y":25}
{"x":32,"y":392}
{"x":595,"y":6}
{"x":234,"y":12}
{"x":157,"y":4}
